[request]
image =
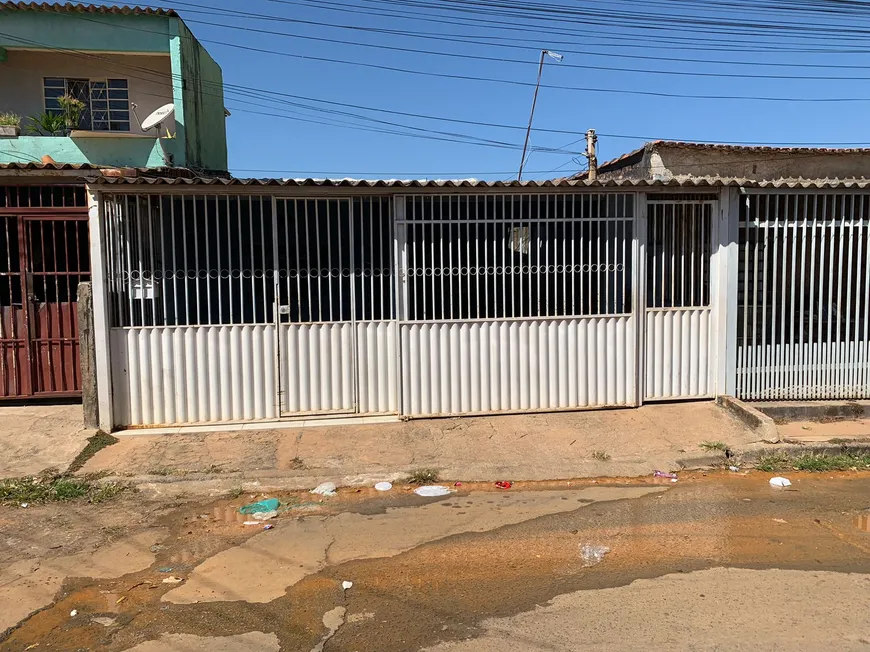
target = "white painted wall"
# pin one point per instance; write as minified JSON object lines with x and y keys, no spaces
{"x":21,"y":79}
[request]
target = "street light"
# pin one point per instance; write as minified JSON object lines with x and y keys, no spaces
{"x":557,"y":57}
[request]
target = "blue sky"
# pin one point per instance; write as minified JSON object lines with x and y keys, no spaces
{"x":296,"y":145}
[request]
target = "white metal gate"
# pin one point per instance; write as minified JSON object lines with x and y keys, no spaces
{"x":516,"y":302}
{"x":678,"y":313}
{"x":804,"y":296}
{"x":337,"y":342}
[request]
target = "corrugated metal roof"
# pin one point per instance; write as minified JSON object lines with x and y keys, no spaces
{"x":757,"y":148}
{"x":623,"y":160}
{"x":50,"y":166}
{"x":698,"y":182}
{"x":85,"y":9}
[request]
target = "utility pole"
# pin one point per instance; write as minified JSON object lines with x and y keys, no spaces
{"x":591,"y":142}
{"x":557,"y":57}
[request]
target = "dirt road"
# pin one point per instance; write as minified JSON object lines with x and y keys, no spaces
{"x":714,"y":562}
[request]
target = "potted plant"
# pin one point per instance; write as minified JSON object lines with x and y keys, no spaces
{"x":72,"y":109}
{"x":46,"y":124}
{"x":10,"y":125}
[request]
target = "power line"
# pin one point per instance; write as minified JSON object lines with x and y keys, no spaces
{"x":662,"y":94}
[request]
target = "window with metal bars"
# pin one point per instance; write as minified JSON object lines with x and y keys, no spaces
{"x":191,"y":260}
{"x":198,"y":260}
{"x":802,"y":270}
{"x":517,"y":256}
{"x":679,"y":245}
{"x":107,"y":101}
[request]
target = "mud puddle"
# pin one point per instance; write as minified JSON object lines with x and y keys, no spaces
{"x":508,"y":551}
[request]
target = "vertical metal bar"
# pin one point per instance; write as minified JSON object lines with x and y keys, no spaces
{"x":756,"y":350}
{"x":433,"y":301}
{"x":835,"y":346}
{"x":826,"y":290}
{"x":371,"y":263}
{"x":319,"y":261}
{"x":163,"y":283}
{"x":468,"y":275}
{"x":206,"y":225}
{"x":478,"y":275}
{"x":792,"y":379}
{"x":829,"y":367}
{"x":811,"y":359}
{"x":386,"y":256}
{"x":508,"y":253}
{"x":307,"y":223}
{"x":187,"y":270}
{"x":773,"y":385}
{"x":857,"y":381}
{"x":865,"y":376}
{"x":847,"y":361}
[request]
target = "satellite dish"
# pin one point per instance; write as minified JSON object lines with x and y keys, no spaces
{"x":158,"y":116}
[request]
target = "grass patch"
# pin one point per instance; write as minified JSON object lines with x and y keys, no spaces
{"x":719,"y":446}
{"x":601,"y":456}
{"x":50,"y":486}
{"x":96,"y":443}
{"x":423,"y":476}
{"x":813,"y":462}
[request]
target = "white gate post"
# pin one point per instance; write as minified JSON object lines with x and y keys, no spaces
{"x":725,"y":308}
{"x":638,"y":305}
{"x":102,"y":340}
{"x":400,"y":264}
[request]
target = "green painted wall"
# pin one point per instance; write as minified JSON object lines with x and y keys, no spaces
{"x":74,"y":31}
{"x":125,"y":152}
{"x":197,"y":88}
{"x":202,"y":104}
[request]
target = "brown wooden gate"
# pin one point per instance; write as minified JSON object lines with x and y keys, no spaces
{"x":44,"y":255}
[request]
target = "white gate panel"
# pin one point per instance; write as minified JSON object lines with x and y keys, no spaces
{"x":193,"y":374}
{"x":678,"y":353}
{"x":679,"y":299}
{"x":317,"y":368}
{"x":512,"y":365}
{"x":804,"y":296}
{"x":378,"y":353}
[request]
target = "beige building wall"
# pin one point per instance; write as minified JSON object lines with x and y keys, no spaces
{"x":21,"y":79}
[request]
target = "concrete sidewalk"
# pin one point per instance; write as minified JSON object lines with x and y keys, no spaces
{"x":38,"y":437}
{"x":625,"y":442}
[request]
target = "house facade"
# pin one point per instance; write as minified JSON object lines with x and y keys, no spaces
{"x":109,"y":58}
{"x":118,"y":65}
{"x":227,"y":300}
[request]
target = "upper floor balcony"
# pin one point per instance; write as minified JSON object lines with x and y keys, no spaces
{"x":76,"y":80}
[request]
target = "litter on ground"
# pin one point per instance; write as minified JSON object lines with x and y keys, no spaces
{"x":172,"y":580}
{"x":592,"y":554}
{"x":268,"y":505}
{"x":780,"y":482}
{"x":384,"y":486}
{"x":432,"y":490}
{"x":346,"y":585}
{"x":503,"y":484}
{"x":324,"y":489}
{"x":663,"y":474}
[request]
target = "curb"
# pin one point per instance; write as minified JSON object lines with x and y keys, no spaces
{"x":762,"y":424}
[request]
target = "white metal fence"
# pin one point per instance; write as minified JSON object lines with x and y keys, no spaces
{"x":678,"y":315}
{"x":804,"y":296}
{"x":516,"y":302}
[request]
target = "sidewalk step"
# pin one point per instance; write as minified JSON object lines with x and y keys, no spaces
{"x":815,"y":431}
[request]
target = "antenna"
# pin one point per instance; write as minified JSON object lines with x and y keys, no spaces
{"x":155,"y":121}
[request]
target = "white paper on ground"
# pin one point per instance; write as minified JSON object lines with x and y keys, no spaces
{"x":432,"y":490}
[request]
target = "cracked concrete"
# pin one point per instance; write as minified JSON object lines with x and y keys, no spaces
{"x":28,"y":585}
{"x":266,"y":565}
